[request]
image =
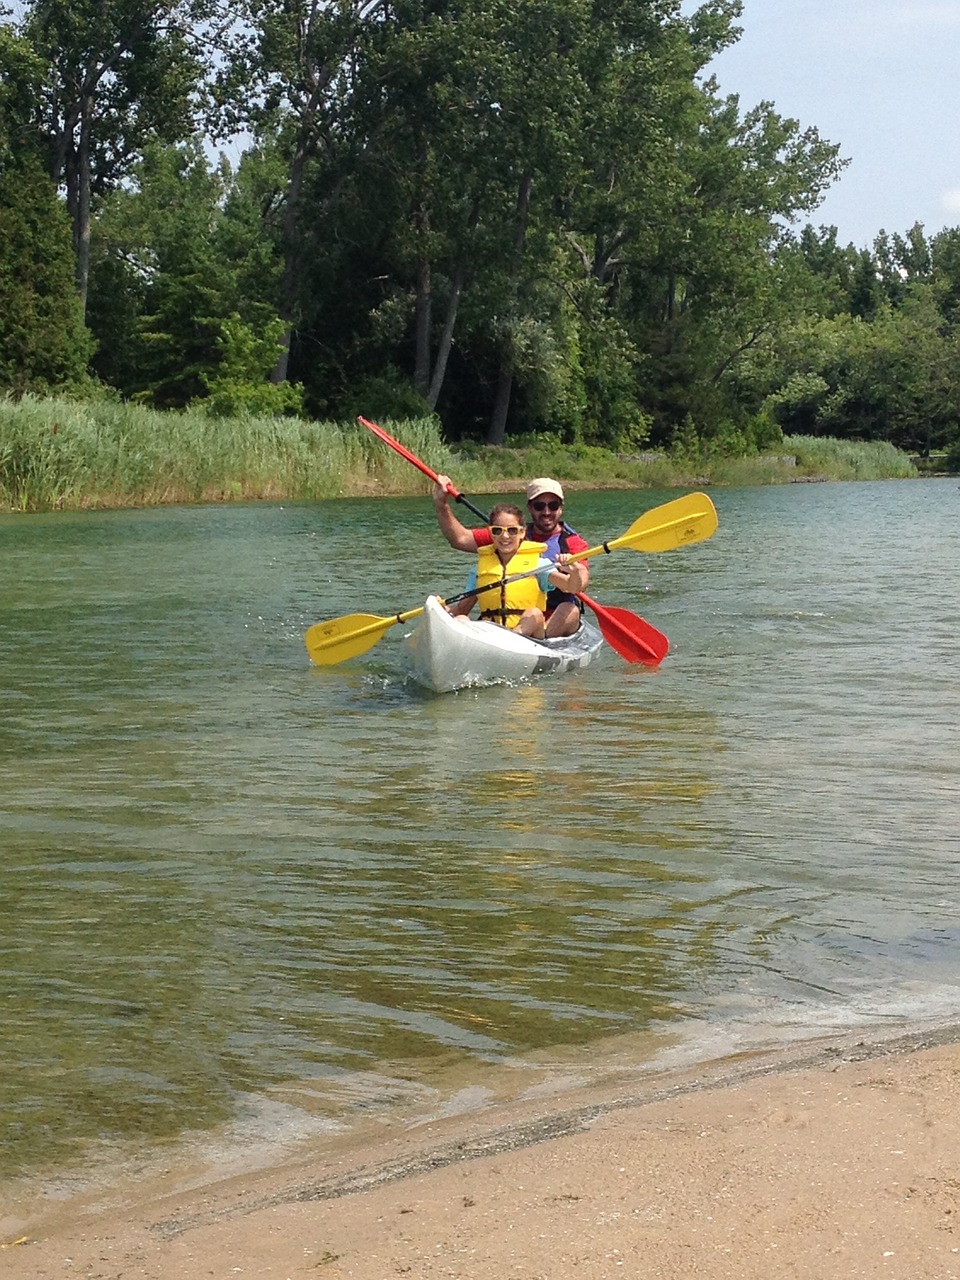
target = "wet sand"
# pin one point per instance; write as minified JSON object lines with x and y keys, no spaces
{"x":841,"y":1160}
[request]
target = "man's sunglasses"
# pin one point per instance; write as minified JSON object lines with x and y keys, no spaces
{"x":546,"y":506}
{"x":498,"y":529}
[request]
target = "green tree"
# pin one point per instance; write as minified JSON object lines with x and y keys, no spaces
{"x":241,"y":384}
{"x":945,"y":267}
{"x":898,"y":379}
{"x":832,"y":269}
{"x":716,"y":286}
{"x":556,"y":125}
{"x":170,"y":295}
{"x":291,"y":78}
{"x":894,"y":378}
{"x":117,"y":75}
{"x":43,"y":341}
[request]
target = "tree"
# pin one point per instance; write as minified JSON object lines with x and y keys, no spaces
{"x":831,"y":269}
{"x":171,"y":286}
{"x":117,"y":74}
{"x":556,"y":127}
{"x":897,"y":379}
{"x":43,"y":341}
{"x":292,"y":77}
{"x":945,"y":264}
{"x":714,"y":287}
{"x":893,"y":378}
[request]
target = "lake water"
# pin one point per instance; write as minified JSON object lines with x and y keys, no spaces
{"x":246,"y":902}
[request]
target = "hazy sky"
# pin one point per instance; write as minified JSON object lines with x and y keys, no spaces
{"x":880,"y":77}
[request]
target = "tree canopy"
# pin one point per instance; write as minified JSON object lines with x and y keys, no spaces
{"x":526,"y":218}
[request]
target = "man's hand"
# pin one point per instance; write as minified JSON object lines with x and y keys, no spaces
{"x":441,"y":491}
{"x":576,"y":577}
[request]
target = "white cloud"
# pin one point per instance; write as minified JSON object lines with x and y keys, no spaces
{"x":950,"y":200}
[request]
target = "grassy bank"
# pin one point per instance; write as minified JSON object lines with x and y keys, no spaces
{"x":58,"y":454}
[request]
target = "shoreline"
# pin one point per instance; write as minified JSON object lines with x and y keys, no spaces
{"x":98,"y":504}
{"x":401,"y":1193}
{"x":485,"y":1139}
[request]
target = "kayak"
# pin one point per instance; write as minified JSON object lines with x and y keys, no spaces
{"x":446,"y":654}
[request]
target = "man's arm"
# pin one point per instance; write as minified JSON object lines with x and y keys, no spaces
{"x":458,"y":535}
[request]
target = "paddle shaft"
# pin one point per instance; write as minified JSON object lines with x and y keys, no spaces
{"x":421,"y":466}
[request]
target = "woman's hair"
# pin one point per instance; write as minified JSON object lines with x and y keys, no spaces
{"x":507,"y":509}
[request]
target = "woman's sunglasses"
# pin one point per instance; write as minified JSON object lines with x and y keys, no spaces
{"x":546,"y":506}
{"x":499,"y":529}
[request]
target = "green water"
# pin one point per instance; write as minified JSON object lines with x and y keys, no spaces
{"x":242,"y":895}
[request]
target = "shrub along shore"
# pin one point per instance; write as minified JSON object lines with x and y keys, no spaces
{"x":71,"y":455}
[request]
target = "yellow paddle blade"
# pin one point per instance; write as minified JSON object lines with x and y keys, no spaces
{"x":679,"y":523}
{"x":341,"y":638}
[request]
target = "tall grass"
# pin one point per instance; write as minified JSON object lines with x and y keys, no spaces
{"x":849,"y":459}
{"x":71,"y":454}
{"x":61,"y":453}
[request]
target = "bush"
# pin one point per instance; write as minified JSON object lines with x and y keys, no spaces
{"x":241,"y":385}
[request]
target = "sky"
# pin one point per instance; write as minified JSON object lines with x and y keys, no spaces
{"x":879,"y":77}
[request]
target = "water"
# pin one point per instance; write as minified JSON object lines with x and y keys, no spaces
{"x":245,"y":902}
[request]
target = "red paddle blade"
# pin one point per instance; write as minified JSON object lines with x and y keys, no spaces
{"x":632,"y":637}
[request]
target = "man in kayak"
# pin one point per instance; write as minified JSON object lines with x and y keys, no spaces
{"x":546,"y":524}
{"x":518,"y":605}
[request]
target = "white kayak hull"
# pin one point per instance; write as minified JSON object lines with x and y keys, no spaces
{"x":447,"y":653}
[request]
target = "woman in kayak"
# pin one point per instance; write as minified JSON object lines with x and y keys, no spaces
{"x":518,"y":605}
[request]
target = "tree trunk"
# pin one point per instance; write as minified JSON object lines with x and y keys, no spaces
{"x":457,"y":285}
{"x":497,"y":427}
{"x":446,"y":338}
{"x":82,"y":223}
{"x":289,"y":286}
{"x":423,"y":324}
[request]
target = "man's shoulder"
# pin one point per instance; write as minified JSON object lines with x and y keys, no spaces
{"x":482,"y":536}
{"x":574,"y":541}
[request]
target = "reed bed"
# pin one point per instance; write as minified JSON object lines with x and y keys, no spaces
{"x":850,"y":459}
{"x":65,"y":454}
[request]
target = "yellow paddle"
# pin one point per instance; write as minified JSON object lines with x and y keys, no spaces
{"x":679,"y":523}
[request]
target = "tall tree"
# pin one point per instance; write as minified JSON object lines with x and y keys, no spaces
{"x":174,"y":261}
{"x":118,"y":73}
{"x":291,"y":76}
{"x":945,"y":258}
{"x":516,"y":127}
{"x":43,"y":341}
{"x":713,"y":290}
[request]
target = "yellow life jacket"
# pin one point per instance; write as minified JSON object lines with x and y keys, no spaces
{"x":508,"y":604}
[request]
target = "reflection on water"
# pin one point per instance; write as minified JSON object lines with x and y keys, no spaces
{"x":239,"y":891}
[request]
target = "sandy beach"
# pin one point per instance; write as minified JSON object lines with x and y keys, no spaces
{"x":841,"y":1160}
